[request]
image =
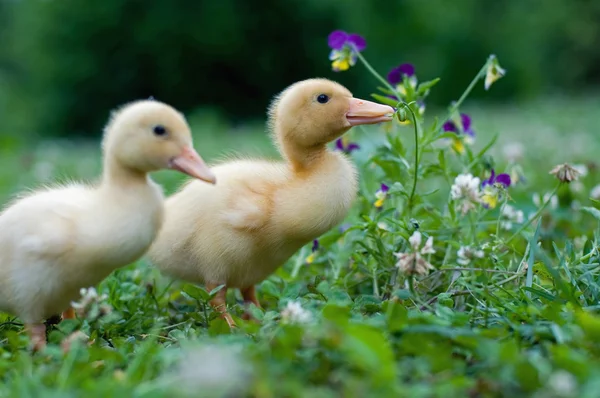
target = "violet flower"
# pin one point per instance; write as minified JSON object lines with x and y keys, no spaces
{"x":344,"y":47}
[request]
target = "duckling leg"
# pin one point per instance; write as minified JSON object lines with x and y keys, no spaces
{"x":249,"y":295}
{"x":37,"y":334}
{"x":219,"y":303}
{"x":69,"y":313}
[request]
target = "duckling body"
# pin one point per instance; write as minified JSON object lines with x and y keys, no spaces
{"x":88,"y":232}
{"x":261,"y":215}
{"x":55,"y":241}
{"x":262,"y":212}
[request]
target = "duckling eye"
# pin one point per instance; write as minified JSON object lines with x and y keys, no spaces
{"x":322,"y":99}
{"x":159,"y":130}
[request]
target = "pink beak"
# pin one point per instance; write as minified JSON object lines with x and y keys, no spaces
{"x":190,"y":163}
{"x":367,"y":112}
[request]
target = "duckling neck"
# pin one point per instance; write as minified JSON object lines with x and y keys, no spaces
{"x":119,"y":175}
{"x":304,"y":158}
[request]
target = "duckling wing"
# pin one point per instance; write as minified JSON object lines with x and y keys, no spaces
{"x":37,"y":235}
{"x":42,"y":225}
{"x":251,"y":208}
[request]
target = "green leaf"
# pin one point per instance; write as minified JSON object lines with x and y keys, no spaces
{"x":385,"y":100}
{"x":385,"y":90}
{"x":540,"y":293}
{"x":196,"y":292}
{"x":593,"y":211}
{"x":423,"y":87}
{"x":216,"y":290}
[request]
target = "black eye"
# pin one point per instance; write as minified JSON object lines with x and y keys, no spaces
{"x":159,"y":130}
{"x":322,"y":99}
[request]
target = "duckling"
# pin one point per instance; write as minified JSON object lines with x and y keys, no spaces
{"x":55,"y":241}
{"x":240,"y":231}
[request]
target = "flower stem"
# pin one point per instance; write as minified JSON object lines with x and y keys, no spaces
{"x":377,"y":75}
{"x":536,"y":215}
{"x":468,"y":90}
{"x":414,"y":118}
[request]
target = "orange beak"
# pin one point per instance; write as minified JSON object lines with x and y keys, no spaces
{"x":367,"y":112}
{"x":190,"y":163}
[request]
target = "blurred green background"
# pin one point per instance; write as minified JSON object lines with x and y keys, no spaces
{"x":65,"y":63}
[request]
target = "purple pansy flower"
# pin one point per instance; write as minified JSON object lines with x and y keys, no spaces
{"x":344,"y":47}
{"x":395,"y":75}
{"x":468,"y":132}
{"x":346,"y":147}
{"x":313,"y":254}
{"x":502,"y":179}
{"x":492,"y":189}
{"x":338,"y":39}
{"x":381,"y":194}
{"x":315,"y":245}
{"x":466,"y":125}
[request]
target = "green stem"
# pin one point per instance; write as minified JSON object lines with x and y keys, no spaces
{"x":536,"y":215}
{"x":377,"y":75}
{"x":414,"y":117}
{"x":414,"y":187}
{"x":468,"y":90}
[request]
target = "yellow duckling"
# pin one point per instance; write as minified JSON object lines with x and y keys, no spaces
{"x":54,"y":242}
{"x":240,"y":231}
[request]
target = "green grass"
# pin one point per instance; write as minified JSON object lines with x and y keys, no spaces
{"x":492,"y":330}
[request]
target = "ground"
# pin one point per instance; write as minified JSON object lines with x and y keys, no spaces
{"x":516,"y":322}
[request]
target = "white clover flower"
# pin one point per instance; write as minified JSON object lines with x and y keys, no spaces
{"x":413,"y":261}
{"x":563,"y":383}
{"x":465,"y":191}
{"x":595,"y":192}
{"x":539,"y":201}
{"x":466,"y":254}
{"x":294,"y":313}
{"x":513,"y":151}
{"x":209,"y":370}
{"x":89,"y":297}
{"x":510,"y":215}
{"x":581,"y":169}
{"x":577,"y":187}
{"x":565,"y":173}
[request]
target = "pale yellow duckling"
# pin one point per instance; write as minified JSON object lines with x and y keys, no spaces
{"x":240,"y":231}
{"x":53,"y":242}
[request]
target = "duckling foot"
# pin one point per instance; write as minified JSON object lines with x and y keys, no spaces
{"x":249,"y":295}
{"x":69,"y":313}
{"x":219,"y":303}
{"x":37,"y":334}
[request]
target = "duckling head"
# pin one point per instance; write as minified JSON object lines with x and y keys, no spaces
{"x":310,"y":113}
{"x":147,"y":136}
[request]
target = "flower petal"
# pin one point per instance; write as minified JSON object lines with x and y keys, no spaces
{"x":352,"y":147}
{"x":340,"y":65}
{"x":458,"y":145}
{"x":339,"y":144}
{"x":490,"y":200}
{"x":407,"y":69}
{"x":503,"y":179}
{"x":466,"y":121}
{"x":359,"y":42}
{"x":315,"y":245}
{"x":384,"y":188}
{"x":337,"y":39}
{"x":449,"y":126}
{"x":394,"y":77}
